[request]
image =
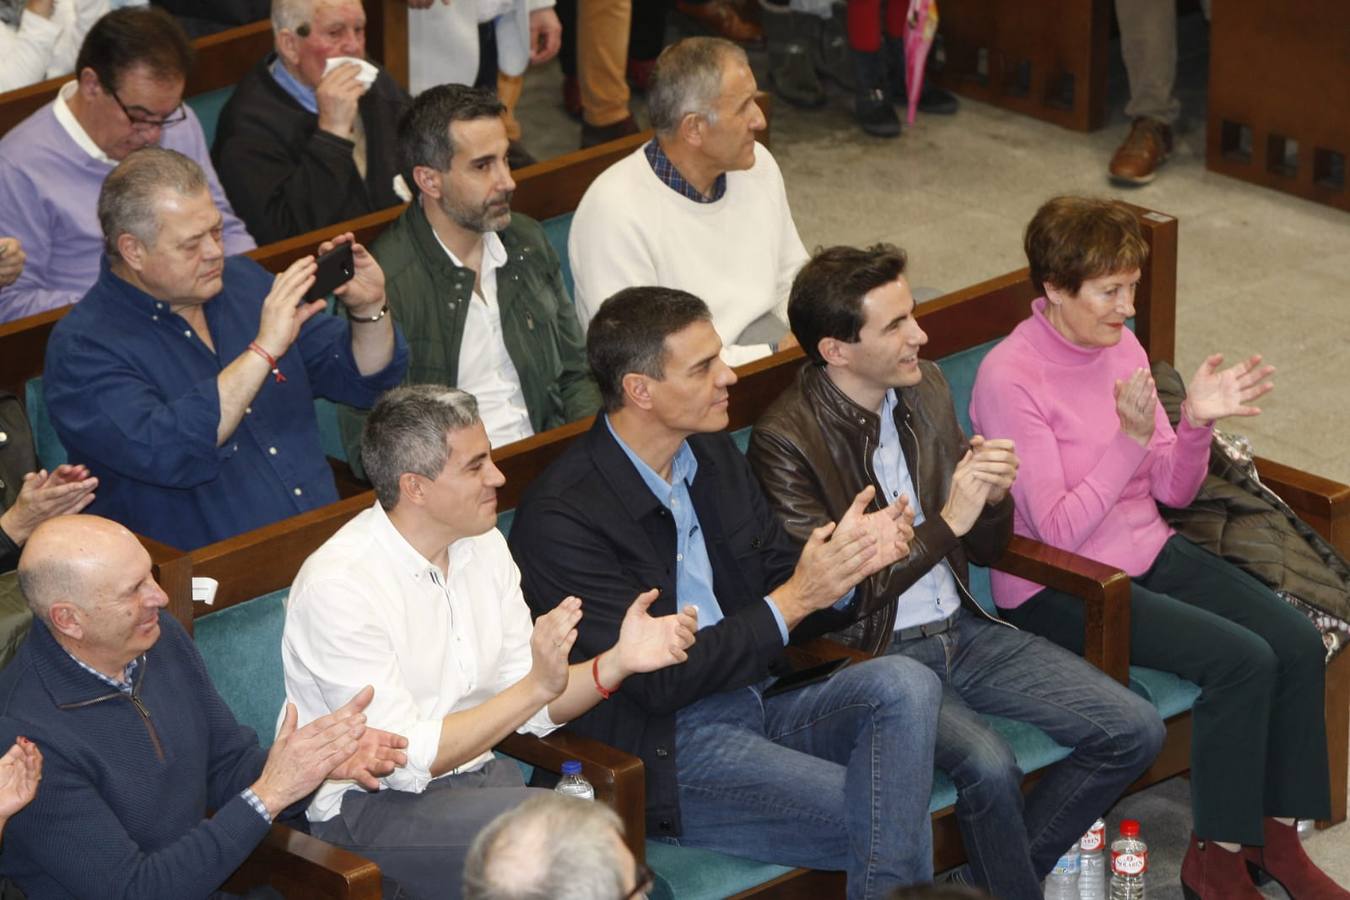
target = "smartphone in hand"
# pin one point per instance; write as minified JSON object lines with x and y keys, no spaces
{"x":335,"y":269}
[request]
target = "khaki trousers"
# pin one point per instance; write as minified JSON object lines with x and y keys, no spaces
{"x":602,"y":59}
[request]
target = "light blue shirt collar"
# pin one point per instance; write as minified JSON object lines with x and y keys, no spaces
{"x":291,"y":85}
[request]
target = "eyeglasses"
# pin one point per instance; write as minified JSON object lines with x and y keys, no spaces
{"x":140,"y":119}
{"x":645,"y":879}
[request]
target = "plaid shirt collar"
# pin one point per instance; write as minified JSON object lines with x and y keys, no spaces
{"x":128,"y":674}
{"x":666,"y":171}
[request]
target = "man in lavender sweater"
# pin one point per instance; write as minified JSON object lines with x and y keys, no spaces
{"x":128,"y":94}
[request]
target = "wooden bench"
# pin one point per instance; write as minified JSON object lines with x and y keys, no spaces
{"x":1046,"y":59}
{"x":1279,"y":96}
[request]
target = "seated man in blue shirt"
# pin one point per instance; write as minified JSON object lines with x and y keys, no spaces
{"x":832,"y":775}
{"x":186,"y":380}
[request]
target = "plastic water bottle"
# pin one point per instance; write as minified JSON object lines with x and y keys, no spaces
{"x":1092,"y":863}
{"x":1062,"y":882}
{"x":572,"y":784}
{"x":1129,"y":864}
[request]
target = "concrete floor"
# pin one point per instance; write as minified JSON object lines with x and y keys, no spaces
{"x":1258,"y":271}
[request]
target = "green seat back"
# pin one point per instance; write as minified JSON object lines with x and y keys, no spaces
{"x":556,"y":230}
{"x":207,"y":107}
{"x":50,"y":451}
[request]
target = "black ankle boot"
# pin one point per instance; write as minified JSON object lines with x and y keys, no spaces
{"x":873,"y":107}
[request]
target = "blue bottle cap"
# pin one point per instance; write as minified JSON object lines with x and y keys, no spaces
{"x":571,"y":767}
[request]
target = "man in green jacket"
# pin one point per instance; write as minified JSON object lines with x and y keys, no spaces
{"x":477,"y":291}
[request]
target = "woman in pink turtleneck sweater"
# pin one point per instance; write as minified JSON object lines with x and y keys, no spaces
{"x":1071,"y":387}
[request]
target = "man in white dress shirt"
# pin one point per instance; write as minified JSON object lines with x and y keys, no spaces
{"x":419,"y":596}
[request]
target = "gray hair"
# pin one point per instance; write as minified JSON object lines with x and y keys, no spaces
{"x":548,"y":848}
{"x":129,"y":200}
{"x":46,"y":581}
{"x":688,"y":79}
{"x":292,"y":15}
{"x":408,"y":431}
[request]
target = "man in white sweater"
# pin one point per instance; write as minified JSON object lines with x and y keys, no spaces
{"x":701,"y":207}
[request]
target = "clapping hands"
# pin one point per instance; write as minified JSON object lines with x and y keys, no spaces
{"x":1213,"y":394}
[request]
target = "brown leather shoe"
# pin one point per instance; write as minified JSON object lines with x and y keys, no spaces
{"x":721,"y":18}
{"x":1283,"y":859}
{"x":1210,"y":872}
{"x":1147,"y":147}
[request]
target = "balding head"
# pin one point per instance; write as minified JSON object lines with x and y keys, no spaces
{"x":89,"y":581}
{"x":550,"y":848}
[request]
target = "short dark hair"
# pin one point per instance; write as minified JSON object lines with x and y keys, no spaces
{"x":827,"y":294}
{"x":135,"y":36}
{"x":424,"y":129}
{"x":629,"y":331}
{"x":1072,"y":239}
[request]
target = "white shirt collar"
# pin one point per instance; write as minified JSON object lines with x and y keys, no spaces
{"x":494,"y":253}
{"x":405,"y":555}
{"x":72,"y":125}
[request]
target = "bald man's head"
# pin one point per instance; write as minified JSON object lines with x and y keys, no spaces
{"x":89,"y":581}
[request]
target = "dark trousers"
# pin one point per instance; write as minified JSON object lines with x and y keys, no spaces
{"x":420,"y":841}
{"x":1259,"y":744}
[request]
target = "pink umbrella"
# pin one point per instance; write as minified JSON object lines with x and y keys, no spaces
{"x":920,"y":27}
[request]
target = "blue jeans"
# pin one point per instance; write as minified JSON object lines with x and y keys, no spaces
{"x":835,"y":775}
{"x":985,"y":667}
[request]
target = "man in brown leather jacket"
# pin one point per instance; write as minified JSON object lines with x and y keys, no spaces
{"x":865,"y":410}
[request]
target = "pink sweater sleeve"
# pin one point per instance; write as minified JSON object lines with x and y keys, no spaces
{"x":1180,"y":460}
{"x":1005,"y":406}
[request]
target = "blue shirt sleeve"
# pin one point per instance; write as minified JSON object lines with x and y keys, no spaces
{"x":325,"y":345}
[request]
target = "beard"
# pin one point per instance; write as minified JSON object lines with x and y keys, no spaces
{"x":493,"y":215}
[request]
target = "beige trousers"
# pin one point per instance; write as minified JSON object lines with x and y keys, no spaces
{"x":602,"y":59}
{"x":1148,"y":41}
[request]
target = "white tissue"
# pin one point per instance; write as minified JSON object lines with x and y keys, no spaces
{"x":367,"y":74}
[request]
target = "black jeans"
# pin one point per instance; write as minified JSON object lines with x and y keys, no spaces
{"x":1259,"y":745}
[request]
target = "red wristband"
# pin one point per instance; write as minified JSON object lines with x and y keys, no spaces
{"x":271,"y":360}
{"x":605,"y":692}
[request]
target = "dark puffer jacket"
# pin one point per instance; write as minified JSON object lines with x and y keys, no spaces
{"x":1240,"y":519}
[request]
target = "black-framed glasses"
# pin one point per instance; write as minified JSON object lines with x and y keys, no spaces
{"x":142,"y":118}
{"x":645,"y":879}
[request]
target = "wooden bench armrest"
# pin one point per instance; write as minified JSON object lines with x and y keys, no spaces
{"x":1322,"y":503}
{"x":1105,"y":592}
{"x":302,"y":866}
{"x":619,"y":778}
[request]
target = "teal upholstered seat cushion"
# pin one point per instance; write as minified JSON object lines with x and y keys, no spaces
{"x":50,"y":451}
{"x":690,"y":873}
{"x":556,"y":230}
{"x":242,"y":649}
{"x":207,"y":107}
{"x":1170,"y":693}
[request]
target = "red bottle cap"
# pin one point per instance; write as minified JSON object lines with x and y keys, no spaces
{"x":1129,"y":828}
